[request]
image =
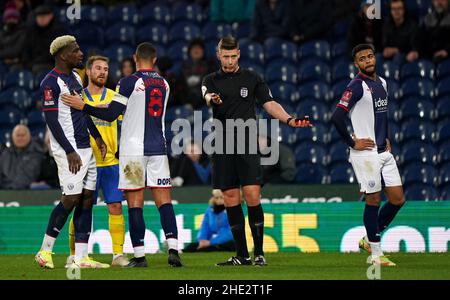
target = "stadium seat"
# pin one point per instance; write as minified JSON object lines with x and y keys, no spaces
{"x":10,"y":118}
{"x":15,"y":98}
{"x":339,"y":49}
{"x":313,"y":71}
{"x":184,"y":31}
{"x":318,"y":90}
{"x":178,"y":51}
{"x":184,"y":11}
{"x":338,"y":89}
{"x":445,"y":193}
{"x":23,"y":79}
{"x":35,"y":118}
{"x":316,"y":110}
{"x":413,"y":108}
{"x":154,"y":33}
{"x":286,"y":135}
{"x":121,"y":33}
{"x":278,"y":48}
{"x":443,"y":69}
{"x":284,"y":73}
{"x":93,"y":13}
{"x":284,"y":92}
{"x":443,"y":108}
{"x":248,"y":64}
{"x":252,"y":51}
{"x":123,"y":13}
{"x":308,"y":152}
{"x":417,"y":130}
{"x":423,"y":88}
{"x":421,"y":192}
{"x":179,"y":112}
{"x":318,"y":49}
{"x":242,"y":30}
{"x":90,"y":33}
{"x":393,"y":89}
{"x":344,"y":70}
{"x":114,"y":71}
{"x":393,"y":111}
{"x":394,"y":132}
{"x":443,"y":87}
{"x":342,"y":173}
{"x":339,"y":153}
{"x":418,"y":69}
{"x":418,"y":152}
{"x":214,"y":31}
{"x":388,"y":70}
{"x":155,"y":13}
{"x":38,"y":79}
{"x":444,"y":175}
{"x":5,"y":135}
{"x":309,"y":173}
{"x":339,"y":31}
{"x":317,"y":134}
{"x":38,"y":132}
{"x":444,"y":153}
{"x":443,"y":131}
{"x":117,"y":52}
{"x":415,"y":173}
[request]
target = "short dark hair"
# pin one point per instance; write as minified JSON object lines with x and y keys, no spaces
{"x":94,"y":58}
{"x":362,"y":47}
{"x":228,"y":43}
{"x":145,"y":51}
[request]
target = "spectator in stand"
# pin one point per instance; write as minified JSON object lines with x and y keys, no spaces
{"x":12,"y":39}
{"x":191,"y":168}
{"x":400,"y":34}
{"x":284,"y":170}
{"x":20,"y":164}
{"x":193,"y":70}
{"x":48,"y":177}
{"x":310,"y":19}
{"x":435,"y":32}
{"x":364,"y":30}
{"x":230,"y":11}
{"x":127,"y":67}
{"x":39,"y":36}
{"x":271,"y":18}
{"x":215,"y":232}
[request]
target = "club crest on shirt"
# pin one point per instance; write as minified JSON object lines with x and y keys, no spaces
{"x":244,"y":92}
{"x":371,"y":183}
{"x":48,"y":95}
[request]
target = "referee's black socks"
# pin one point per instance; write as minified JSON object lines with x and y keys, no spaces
{"x":237,"y":224}
{"x":256,"y":222}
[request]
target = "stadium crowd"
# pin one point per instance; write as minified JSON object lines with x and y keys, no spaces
{"x":300,"y":47}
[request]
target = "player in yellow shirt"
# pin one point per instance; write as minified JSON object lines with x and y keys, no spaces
{"x":108,"y":169}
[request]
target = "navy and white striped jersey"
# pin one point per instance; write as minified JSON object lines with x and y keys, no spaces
{"x":145,"y":95}
{"x":366,"y":101}
{"x":68,"y":126}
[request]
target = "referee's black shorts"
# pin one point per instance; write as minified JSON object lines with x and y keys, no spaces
{"x":235,"y":170}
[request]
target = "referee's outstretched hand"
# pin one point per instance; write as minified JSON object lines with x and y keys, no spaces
{"x":304,"y":122}
{"x":215,"y":98}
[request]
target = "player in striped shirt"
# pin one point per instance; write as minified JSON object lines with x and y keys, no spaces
{"x":143,"y":158}
{"x":69,"y":139}
{"x":365,"y":100}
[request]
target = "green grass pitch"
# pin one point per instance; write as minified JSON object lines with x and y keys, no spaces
{"x":201,"y":266}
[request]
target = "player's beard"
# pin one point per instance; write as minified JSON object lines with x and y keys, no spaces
{"x":98,"y":83}
{"x":368,"y":73}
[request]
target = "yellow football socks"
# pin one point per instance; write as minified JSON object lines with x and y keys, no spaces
{"x":72,"y":237}
{"x":117,"y":231}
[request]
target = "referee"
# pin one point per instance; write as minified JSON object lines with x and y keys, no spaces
{"x":233,"y":93}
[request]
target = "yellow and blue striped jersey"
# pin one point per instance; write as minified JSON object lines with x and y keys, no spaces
{"x":108,"y":130}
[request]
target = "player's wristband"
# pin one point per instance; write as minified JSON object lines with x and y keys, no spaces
{"x":288,"y":120}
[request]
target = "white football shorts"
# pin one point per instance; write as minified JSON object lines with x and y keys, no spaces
{"x":86,"y":178}
{"x":370,"y":169}
{"x":137,"y":172}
